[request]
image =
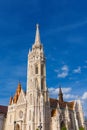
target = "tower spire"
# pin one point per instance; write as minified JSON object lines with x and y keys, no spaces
{"x":37,"y":37}
{"x":60,"y":94}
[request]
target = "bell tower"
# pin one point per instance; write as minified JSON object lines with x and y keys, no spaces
{"x":36,"y":71}
{"x":38,"y":106}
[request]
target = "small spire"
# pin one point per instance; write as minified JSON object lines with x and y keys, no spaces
{"x":60,"y":90}
{"x":18,"y":88}
{"x":60,"y":94}
{"x":37,"y":37}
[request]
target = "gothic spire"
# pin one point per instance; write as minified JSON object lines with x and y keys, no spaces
{"x":37,"y":37}
{"x":60,"y":94}
{"x":60,"y":90}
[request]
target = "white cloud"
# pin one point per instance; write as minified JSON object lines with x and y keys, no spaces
{"x":78,"y":70}
{"x":62,"y":75}
{"x":54,"y":91}
{"x":63,"y":72}
{"x":84,"y":96}
{"x":69,"y":96}
{"x":66,"y":90}
{"x":65,"y":68}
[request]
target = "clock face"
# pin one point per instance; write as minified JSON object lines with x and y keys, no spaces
{"x":20,"y":114}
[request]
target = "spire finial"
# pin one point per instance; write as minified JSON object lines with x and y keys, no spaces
{"x":37,"y":25}
{"x":37,"y":37}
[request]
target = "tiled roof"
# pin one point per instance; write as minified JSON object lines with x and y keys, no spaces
{"x":53,"y":104}
{"x":3,"y":109}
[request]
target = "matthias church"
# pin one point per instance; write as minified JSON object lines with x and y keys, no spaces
{"x":34,"y":109}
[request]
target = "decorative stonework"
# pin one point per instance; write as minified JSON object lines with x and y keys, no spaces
{"x":27,"y":111}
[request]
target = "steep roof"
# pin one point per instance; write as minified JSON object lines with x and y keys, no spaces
{"x":53,"y":104}
{"x":17,"y":94}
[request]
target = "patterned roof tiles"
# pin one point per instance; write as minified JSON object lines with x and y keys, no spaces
{"x":53,"y":104}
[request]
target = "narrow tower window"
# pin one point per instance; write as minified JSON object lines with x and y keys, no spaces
{"x":36,"y":69}
{"x":42,"y":84}
{"x":42,"y":69}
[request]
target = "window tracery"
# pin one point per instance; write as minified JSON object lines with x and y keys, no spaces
{"x":42,"y":69}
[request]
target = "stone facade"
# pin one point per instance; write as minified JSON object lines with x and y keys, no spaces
{"x":27,"y":111}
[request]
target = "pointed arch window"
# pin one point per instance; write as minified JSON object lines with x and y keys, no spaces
{"x":42,"y":69}
{"x":62,"y":125}
{"x":42,"y":84}
{"x":36,"y":69}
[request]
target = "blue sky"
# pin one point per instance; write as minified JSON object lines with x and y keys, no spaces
{"x":63,"y":29}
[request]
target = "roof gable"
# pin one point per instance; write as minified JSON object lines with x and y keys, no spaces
{"x":21,"y":98}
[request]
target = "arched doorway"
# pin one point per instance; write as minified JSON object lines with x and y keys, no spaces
{"x":17,"y":127}
{"x":62,"y":126}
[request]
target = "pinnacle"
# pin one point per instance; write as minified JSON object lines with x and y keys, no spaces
{"x":37,"y":37}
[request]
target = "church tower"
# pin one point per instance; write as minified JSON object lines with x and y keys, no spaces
{"x":37,"y":94}
{"x":36,"y":72}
